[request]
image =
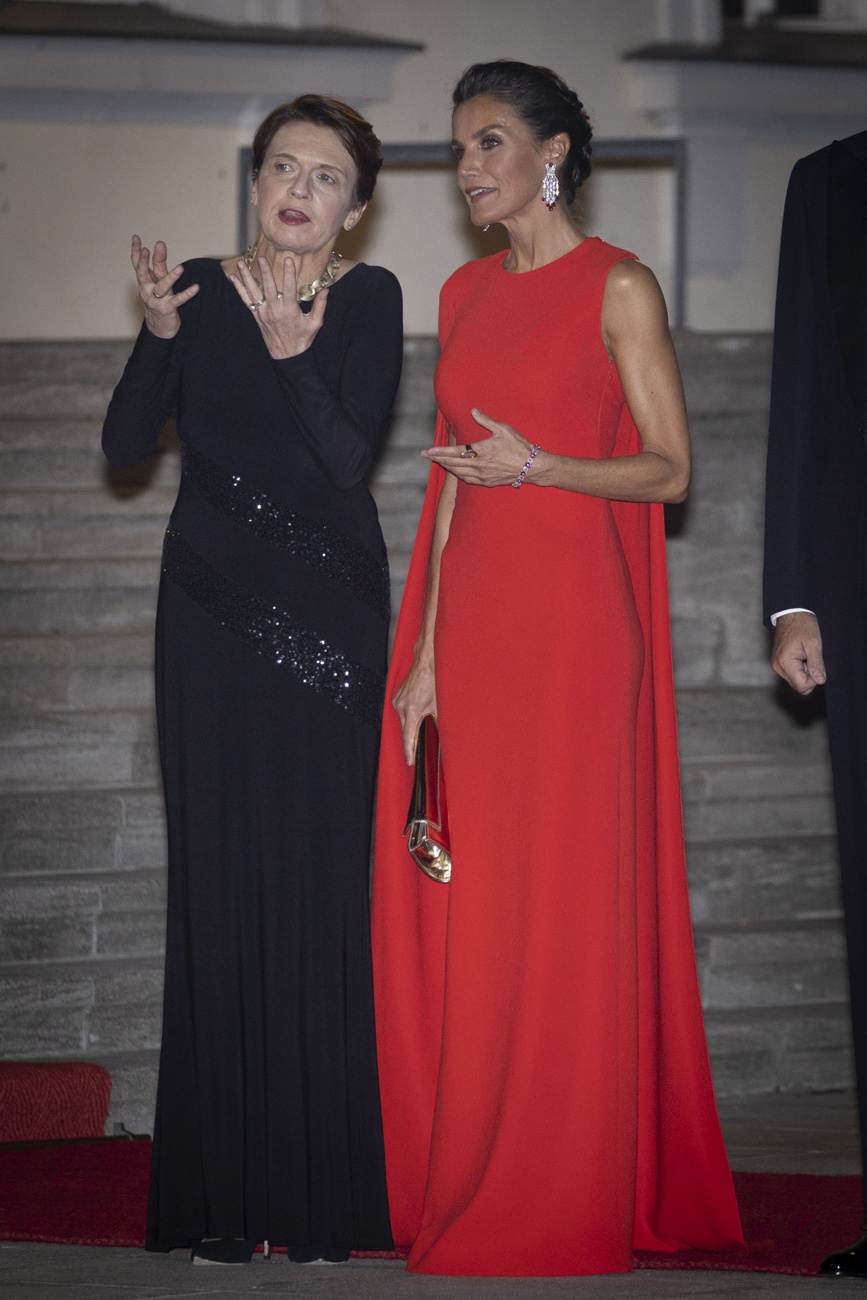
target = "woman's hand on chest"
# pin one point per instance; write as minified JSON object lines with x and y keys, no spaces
{"x":285,"y":328}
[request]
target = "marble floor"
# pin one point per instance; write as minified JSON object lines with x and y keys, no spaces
{"x":796,"y":1134}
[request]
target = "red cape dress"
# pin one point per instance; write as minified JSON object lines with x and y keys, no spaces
{"x":547,"y":1099}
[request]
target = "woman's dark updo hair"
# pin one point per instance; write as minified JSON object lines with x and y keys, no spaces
{"x":545,"y":105}
{"x":355,"y":134}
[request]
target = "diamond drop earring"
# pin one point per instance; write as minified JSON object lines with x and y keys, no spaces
{"x":550,"y":187}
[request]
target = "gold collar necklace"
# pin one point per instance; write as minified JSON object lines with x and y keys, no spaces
{"x":307,"y":292}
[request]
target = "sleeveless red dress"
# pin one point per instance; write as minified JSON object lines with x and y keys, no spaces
{"x":547,"y":1100}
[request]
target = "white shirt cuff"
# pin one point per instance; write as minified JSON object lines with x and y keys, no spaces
{"x":798,"y":609}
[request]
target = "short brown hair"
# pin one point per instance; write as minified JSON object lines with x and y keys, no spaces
{"x":354,"y":132}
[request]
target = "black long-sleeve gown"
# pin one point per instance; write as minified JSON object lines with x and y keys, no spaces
{"x":270,"y":659}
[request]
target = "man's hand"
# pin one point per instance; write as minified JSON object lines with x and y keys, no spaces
{"x":797,"y":652}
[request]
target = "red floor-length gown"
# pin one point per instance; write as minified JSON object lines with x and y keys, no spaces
{"x":547,"y":1099}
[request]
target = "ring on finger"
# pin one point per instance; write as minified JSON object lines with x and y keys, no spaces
{"x":254,"y":306}
{"x":470,"y":451}
{"x":279,"y":297}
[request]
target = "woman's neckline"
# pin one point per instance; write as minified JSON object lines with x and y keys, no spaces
{"x":537,"y":270}
{"x":218,"y":262}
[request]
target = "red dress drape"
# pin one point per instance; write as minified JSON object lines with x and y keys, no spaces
{"x":547,"y":1099}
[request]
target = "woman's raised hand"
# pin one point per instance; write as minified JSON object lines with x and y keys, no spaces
{"x":155,"y":284}
{"x":491,"y":462}
{"x":286,"y":329}
{"x":414,"y":699}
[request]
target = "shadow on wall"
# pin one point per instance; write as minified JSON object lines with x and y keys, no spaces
{"x":131,"y":482}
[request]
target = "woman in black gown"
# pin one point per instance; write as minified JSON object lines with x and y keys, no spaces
{"x":271,"y":646}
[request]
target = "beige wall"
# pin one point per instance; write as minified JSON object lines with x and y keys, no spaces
{"x":419,"y":227}
{"x":743,"y":299}
{"x":583,"y":40}
{"x":71,"y":194}
{"x":76,"y":192}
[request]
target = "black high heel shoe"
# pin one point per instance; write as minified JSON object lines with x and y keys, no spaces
{"x":849,"y":1262}
{"x":226,"y":1250}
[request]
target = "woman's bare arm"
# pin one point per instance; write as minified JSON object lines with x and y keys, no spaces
{"x":416,"y":695}
{"x":635,"y":332}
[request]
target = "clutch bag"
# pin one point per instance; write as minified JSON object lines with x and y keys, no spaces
{"x":427,"y":819}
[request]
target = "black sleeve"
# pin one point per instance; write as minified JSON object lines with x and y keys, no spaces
{"x":147,"y":393}
{"x":342,"y":424}
{"x":144,"y":399}
{"x":795,"y":418}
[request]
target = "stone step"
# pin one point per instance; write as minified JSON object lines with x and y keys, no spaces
{"x":85,"y":361}
{"x":725,"y":372}
{"x":408,"y":429}
{"x":82,"y":836}
{"x":39,"y":674}
{"x":766,"y":813}
{"x":792,"y":1049}
{"x":70,"y":468}
{"x":763,"y":882}
{"x":80,"y":1008}
{"x":783,"y":965}
{"x":44,"y":505}
{"x":749,"y":723}
{"x":76,"y":399}
{"x":805,"y":1048}
{"x":78,"y":749}
{"x":45,"y":435}
{"x":721,"y":371}
{"x":109,"y":609}
{"x":78,"y":595}
{"x":88,"y":830}
{"x":86,"y":574}
{"x":50,"y":918}
{"x":805,"y":1021}
{"x":722,"y":748}
{"x":133,"y":1089}
{"x":64,"y":467}
{"x":69,"y":535}
{"x":415,"y":395}
{"x":792,"y":925}
{"x":100,"y":361}
{"x":754,"y":763}
{"x":28,"y":537}
{"x":749,"y":770}
{"x":717,"y":437}
{"x":726,"y":499}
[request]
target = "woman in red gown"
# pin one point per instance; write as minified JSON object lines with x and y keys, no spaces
{"x":547,"y":1099}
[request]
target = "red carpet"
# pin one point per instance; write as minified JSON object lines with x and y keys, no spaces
{"x":95,"y":1194}
{"x":52,"y":1099}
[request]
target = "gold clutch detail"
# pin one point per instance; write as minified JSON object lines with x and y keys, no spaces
{"x":427,"y":819}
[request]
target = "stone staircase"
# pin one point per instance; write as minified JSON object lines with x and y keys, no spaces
{"x":82,"y":859}
{"x":757,"y":791}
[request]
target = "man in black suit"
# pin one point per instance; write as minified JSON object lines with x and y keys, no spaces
{"x":815,"y":588}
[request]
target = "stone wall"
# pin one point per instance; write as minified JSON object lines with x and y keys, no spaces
{"x":82,"y":862}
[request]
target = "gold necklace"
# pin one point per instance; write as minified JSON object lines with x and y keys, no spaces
{"x":307,"y":292}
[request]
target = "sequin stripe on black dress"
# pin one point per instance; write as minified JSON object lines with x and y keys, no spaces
{"x":274,"y":633}
{"x":339,"y":556}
